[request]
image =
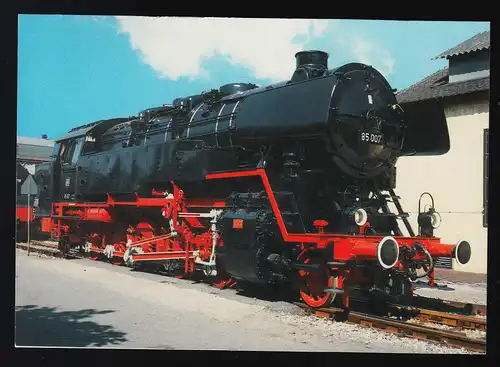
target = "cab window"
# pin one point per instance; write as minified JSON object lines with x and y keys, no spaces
{"x":56,"y":150}
{"x":89,"y":145}
{"x":62,"y":151}
{"x":70,"y":152}
{"x":77,"y":150}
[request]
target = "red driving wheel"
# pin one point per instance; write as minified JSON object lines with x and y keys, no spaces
{"x":314,"y":283}
{"x":118,"y":260}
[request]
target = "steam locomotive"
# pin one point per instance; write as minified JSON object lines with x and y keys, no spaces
{"x":285,"y":185}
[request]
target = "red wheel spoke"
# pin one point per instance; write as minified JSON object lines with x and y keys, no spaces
{"x":313,"y":292}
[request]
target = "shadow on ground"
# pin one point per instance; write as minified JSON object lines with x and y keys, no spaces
{"x":45,"y":326}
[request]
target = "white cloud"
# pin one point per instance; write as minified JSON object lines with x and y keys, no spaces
{"x":371,"y":53}
{"x":176,"y":47}
{"x":320,"y":26}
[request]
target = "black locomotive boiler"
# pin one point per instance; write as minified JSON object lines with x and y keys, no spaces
{"x":285,"y":184}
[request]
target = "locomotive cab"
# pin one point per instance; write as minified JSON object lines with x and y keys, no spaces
{"x":66,"y":162}
{"x":43,"y":179}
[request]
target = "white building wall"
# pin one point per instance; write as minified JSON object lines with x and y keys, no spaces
{"x":455,"y":180}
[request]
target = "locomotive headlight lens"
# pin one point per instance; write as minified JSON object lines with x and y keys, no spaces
{"x":360,"y":217}
{"x":435,"y":220}
{"x":429,"y":219}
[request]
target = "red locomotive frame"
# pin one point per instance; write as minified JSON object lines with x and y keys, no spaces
{"x":180,"y":242}
{"x":38,"y":225}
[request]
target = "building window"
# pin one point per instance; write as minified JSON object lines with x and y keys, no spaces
{"x":486,"y":174}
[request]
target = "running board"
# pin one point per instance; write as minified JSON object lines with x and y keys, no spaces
{"x":316,"y":267}
{"x":334,"y":290}
{"x":101,"y":251}
{"x":147,"y":241}
{"x":307,"y":267}
{"x":336,"y":263}
{"x":159,"y":256}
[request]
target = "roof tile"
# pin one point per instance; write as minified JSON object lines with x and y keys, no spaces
{"x":432,"y":87}
{"x":478,"y":42}
{"x":33,"y":152}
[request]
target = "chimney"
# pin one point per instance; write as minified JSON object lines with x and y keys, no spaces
{"x":44,"y":136}
{"x":310,"y":64}
{"x":315,"y":59}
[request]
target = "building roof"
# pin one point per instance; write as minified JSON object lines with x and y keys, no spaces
{"x":35,"y":141}
{"x":479,"y":42}
{"x":436,"y":86}
{"x":34,"y":149}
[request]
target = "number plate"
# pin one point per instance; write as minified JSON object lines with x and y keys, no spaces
{"x":238,"y":223}
{"x":372,"y":138}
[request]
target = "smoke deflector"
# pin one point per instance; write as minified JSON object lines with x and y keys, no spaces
{"x":426,"y":129}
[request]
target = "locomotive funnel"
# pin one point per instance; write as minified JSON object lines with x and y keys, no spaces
{"x":388,"y":252}
{"x":311,"y":59}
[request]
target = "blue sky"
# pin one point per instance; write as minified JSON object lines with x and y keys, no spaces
{"x":73,"y":70}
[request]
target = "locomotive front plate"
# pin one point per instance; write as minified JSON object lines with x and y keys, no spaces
{"x":372,"y":138}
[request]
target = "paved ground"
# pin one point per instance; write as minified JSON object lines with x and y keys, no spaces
{"x":80,"y":303}
{"x":459,"y":276}
{"x":455,"y":286}
{"x":462,"y":292}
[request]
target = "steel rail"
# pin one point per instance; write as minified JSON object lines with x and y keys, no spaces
{"x":451,"y":306}
{"x":46,"y":249}
{"x":402,"y":328}
{"x":453,"y":320}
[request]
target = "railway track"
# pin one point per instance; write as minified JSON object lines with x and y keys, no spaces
{"x":47,"y":248}
{"x":457,"y":315}
{"x":409,"y":329}
{"x":450,"y":306}
{"x":452,"y":320}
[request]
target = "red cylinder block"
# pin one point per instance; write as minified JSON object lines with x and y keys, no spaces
{"x":98,"y":215}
